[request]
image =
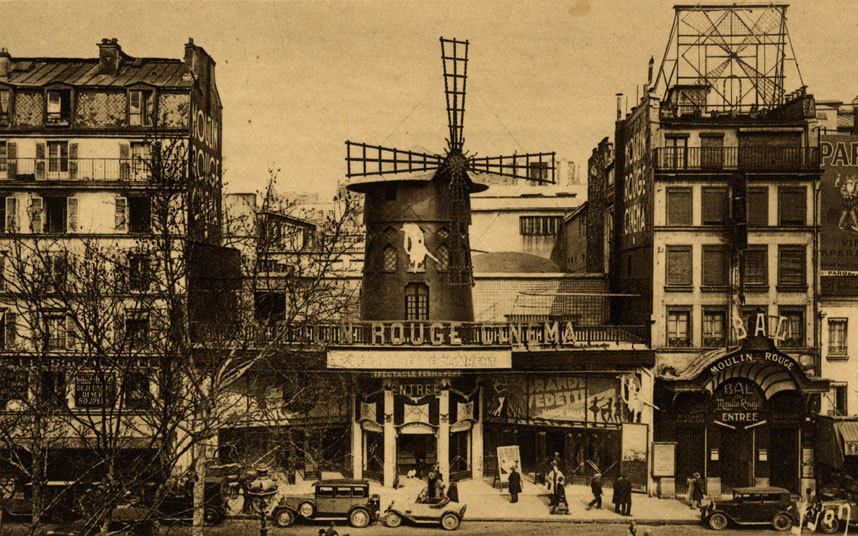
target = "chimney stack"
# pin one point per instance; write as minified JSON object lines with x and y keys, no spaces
{"x":619,"y":106}
{"x":649,"y":75}
{"x":5,"y":63}
{"x":109,"y":56}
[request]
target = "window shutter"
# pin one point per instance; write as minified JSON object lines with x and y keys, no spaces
{"x":793,"y":206}
{"x":10,"y":329}
{"x":121,"y":216}
{"x":714,"y":266}
{"x":756,"y":266}
{"x":792,"y":269}
{"x":40,"y":160}
{"x":714,"y":206}
{"x":119,"y":327}
{"x":124,"y":161}
{"x":679,"y":207}
{"x":72,"y":160}
{"x":11,"y":214}
{"x":37,"y":215}
{"x":679,"y":266}
{"x":3,"y":270}
{"x":72,"y":333}
{"x":71,"y":213}
{"x":11,"y":160}
{"x":758,"y":206}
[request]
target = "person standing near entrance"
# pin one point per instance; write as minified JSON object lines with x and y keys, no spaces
{"x":554,"y":476}
{"x":697,"y":491}
{"x":431,"y":477}
{"x":624,"y":487}
{"x":596,"y":488}
{"x":514,"y":483}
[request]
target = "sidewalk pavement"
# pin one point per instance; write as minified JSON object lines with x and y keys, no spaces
{"x":486,"y":503}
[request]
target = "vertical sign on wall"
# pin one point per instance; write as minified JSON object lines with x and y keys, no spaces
{"x":838,"y":216}
{"x":634,"y":460}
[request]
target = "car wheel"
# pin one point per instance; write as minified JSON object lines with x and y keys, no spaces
{"x":782,"y":521}
{"x":828,"y":523}
{"x":307,"y":509}
{"x":211,"y":516}
{"x":284,"y":517}
{"x":449,"y":521}
{"x":392,"y":520}
{"x":359,"y":518}
{"x":717,"y":521}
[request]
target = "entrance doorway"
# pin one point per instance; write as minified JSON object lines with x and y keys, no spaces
{"x":783,"y":458}
{"x":415,"y":452}
{"x":736,"y":459}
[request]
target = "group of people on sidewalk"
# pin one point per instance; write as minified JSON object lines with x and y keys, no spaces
{"x":555,"y":482}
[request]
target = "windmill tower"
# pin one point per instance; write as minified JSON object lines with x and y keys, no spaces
{"x":417,"y":212}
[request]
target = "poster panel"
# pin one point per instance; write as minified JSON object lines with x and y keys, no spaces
{"x":508,"y":456}
{"x":663,"y":459}
{"x":634,"y":462}
{"x":838,"y":216}
{"x":558,"y":397}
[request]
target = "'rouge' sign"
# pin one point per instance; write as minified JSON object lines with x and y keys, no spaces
{"x":749,"y":356}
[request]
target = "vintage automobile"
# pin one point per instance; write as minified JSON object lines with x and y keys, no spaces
{"x":831,"y":510}
{"x":61,"y":496}
{"x":752,"y":506}
{"x":177,"y":503}
{"x":426,"y":512}
{"x":330,"y":500}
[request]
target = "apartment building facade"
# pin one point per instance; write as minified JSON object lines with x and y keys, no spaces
{"x":103,"y":160}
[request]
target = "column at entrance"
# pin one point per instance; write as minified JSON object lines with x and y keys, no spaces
{"x":477,"y":440}
{"x":357,"y":441}
{"x":389,"y":438}
{"x":444,"y":434}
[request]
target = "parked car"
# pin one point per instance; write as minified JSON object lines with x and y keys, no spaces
{"x":62,"y":497}
{"x":330,"y":500}
{"x":831,"y":510}
{"x":752,"y":506}
{"x":441,"y":511}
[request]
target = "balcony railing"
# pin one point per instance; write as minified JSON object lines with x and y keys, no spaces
{"x":80,"y":169}
{"x":736,"y":158}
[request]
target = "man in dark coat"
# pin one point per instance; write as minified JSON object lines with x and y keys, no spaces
{"x":624,"y":487}
{"x":596,"y":488}
{"x":431,"y":479}
{"x":514,"y":484}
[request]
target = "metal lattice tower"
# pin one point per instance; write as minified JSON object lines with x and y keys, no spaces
{"x":728,"y":57}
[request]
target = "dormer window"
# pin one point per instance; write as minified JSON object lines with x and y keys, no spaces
{"x":5,"y":106}
{"x":58,"y":107}
{"x":139,"y":107}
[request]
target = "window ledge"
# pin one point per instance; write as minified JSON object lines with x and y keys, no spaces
{"x":678,"y":288}
{"x":714,"y":288}
{"x":837,"y":357}
{"x":756,"y":288}
{"x":791,"y":288}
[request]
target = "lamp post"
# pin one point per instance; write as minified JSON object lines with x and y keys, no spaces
{"x":261,"y":490}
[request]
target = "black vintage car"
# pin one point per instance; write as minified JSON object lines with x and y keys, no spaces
{"x":330,"y":500}
{"x":752,"y":506}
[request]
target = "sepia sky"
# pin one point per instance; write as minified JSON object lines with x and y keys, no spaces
{"x":299,"y":78}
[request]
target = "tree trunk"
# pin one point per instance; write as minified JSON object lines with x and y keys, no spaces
{"x":199,"y":487}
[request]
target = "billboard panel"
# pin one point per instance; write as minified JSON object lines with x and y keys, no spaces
{"x":838,"y":216}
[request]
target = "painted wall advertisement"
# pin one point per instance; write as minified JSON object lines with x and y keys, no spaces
{"x":593,"y":399}
{"x":634,"y":463}
{"x":839,"y":214}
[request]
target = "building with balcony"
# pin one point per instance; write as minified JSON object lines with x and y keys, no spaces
{"x":713,"y":245}
{"x":105,"y":163}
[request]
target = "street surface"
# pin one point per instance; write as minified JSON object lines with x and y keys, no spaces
{"x":251,"y":528}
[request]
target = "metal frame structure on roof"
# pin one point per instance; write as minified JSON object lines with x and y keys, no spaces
{"x":737,"y":55}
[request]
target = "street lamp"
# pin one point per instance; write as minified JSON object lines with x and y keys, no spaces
{"x":261,"y":491}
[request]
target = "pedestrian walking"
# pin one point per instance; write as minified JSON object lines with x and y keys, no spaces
{"x":596,"y":488}
{"x":697,"y":491}
{"x":633,"y":529}
{"x":556,"y":460}
{"x":514,"y":484}
{"x":331,"y":531}
{"x":439,"y":483}
{"x":560,"y":504}
{"x":554,"y":476}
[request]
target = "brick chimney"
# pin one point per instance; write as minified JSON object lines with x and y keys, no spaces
{"x":109,"y":56}
{"x":5,"y":63}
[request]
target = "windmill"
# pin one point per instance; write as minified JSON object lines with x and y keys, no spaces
{"x":417,"y":210}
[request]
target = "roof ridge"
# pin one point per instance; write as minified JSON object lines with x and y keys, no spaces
{"x":93,"y":60}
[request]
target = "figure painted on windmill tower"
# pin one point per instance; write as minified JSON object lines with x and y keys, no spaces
{"x":415,"y":247}
{"x":849,"y":199}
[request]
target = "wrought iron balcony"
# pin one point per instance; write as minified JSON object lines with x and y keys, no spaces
{"x":75,"y":169}
{"x":736,"y":158}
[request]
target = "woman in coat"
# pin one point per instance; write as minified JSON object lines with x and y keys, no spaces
{"x":697,"y":491}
